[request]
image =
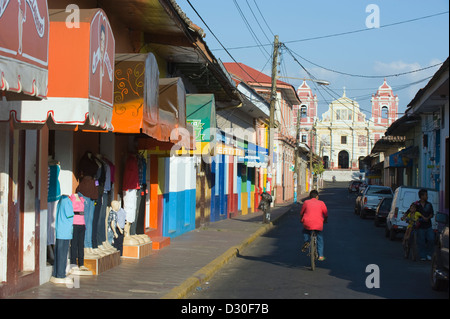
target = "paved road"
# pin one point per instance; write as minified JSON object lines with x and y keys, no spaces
{"x":273,"y":266}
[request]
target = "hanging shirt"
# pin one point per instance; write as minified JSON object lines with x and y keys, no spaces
{"x":78,"y":207}
{"x":131,"y":174}
{"x":54,"y":188}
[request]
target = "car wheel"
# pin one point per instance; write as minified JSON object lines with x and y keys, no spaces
{"x":436,"y":282}
{"x":362,"y":214}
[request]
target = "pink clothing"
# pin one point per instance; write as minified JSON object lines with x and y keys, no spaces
{"x":78,"y":206}
{"x":313,"y":213}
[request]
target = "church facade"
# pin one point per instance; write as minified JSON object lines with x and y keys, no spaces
{"x":343,"y":137}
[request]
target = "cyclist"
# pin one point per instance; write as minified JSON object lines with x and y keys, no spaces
{"x":412,"y":217}
{"x":313,"y":214}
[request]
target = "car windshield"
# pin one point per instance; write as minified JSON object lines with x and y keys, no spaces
{"x":378,"y":190}
{"x":386,"y":205}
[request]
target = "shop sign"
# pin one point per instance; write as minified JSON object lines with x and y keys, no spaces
{"x":223,"y":149}
{"x":400,"y":160}
{"x":102,"y":47}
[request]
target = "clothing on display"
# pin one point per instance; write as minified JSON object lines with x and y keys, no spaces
{"x":131,"y":173}
{"x":53,"y":195}
{"x":95,"y":176}
{"x":134,"y":192}
{"x":79,"y":229}
{"x":129,"y":204}
{"x":116,"y":225}
{"x":54,"y":187}
{"x":64,"y":231}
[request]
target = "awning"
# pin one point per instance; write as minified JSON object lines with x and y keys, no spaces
{"x":80,"y":74}
{"x":144,"y":103}
{"x":24,"y":49}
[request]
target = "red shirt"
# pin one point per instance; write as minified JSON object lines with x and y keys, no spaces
{"x":313,"y":213}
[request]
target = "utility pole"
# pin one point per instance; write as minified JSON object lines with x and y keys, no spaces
{"x":273,"y":99}
{"x":310,"y":158}
{"x":296,"y":154}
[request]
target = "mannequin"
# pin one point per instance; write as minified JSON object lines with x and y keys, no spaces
{"x":77,"y":243}
{"x":116,"y":221}
{"x":64,"y":228}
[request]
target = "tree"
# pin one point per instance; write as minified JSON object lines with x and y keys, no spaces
{"x":318,"y":169}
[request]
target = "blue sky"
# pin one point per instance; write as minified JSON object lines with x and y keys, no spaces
{"x":373,"y":52}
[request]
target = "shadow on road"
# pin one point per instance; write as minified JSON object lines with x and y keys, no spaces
{"x":352,"y":247}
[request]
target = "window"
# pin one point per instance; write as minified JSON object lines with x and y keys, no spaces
{"x":304,"y":138}
{"x":303,"y":111}
{"x":384,"y":112}
{"x":344,"y":139}
{"x":362,"y":141}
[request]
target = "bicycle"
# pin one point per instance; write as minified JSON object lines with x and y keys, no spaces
{"x":410,"y":246}
{"x":313,"y":249}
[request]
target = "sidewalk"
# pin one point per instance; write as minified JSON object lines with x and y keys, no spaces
{"x":171,"y":272}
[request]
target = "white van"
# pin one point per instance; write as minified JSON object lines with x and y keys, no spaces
{"x":404,"y":196}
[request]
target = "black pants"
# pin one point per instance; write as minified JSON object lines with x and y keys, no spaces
{"x":77,"y":245}
{"x":118,"y":242}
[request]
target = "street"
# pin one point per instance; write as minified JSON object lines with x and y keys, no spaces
{"x":356,"y":252}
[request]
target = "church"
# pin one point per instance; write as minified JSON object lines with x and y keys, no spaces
{"x":343,"y":137}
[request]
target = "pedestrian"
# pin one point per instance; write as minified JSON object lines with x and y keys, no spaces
{"x":313,"y":215}
{"x":425,"y":234}
{"x":264,"y":206}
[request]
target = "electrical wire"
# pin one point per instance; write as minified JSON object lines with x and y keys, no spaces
{"x":368,"y":76}
{"x":345,"y":33}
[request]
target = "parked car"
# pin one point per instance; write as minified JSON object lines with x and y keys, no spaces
{"x":353,"y":186}
{"x":382,"y":210}
{"x":371,"y":197}
{"x":439,"y":262}
{"x":404,"y":196}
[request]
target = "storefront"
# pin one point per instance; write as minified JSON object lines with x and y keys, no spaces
{"x":201,"y":115}
{"x":401,"y":167}
{"x":24,"y":36}
{"x":149,"y":122}
{"x":72,"y":120}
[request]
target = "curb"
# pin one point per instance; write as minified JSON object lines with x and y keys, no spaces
{"x":208,"y":271}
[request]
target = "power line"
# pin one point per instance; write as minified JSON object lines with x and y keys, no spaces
{"x":250,"y":29}
{"x":343,"y":33}
{"x":369,"y":76}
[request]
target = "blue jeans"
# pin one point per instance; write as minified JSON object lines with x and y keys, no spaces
{"x":425,"y":241}
{"x":307,"y":236}
{"x":61,"y":252}
{"x":88,"y":219}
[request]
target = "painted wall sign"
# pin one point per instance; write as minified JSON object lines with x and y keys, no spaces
{"x":24,"y":37}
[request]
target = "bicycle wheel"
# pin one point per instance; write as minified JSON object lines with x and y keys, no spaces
{"x":313,"y":250}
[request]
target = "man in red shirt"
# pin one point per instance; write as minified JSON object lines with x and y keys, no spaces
{"x":313,"y":214}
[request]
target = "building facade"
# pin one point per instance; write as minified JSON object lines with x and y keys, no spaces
{"x":345,"y":136}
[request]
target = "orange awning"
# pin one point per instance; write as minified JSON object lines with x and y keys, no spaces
{"x":143,"y":103}
{"x":24,"y":49}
